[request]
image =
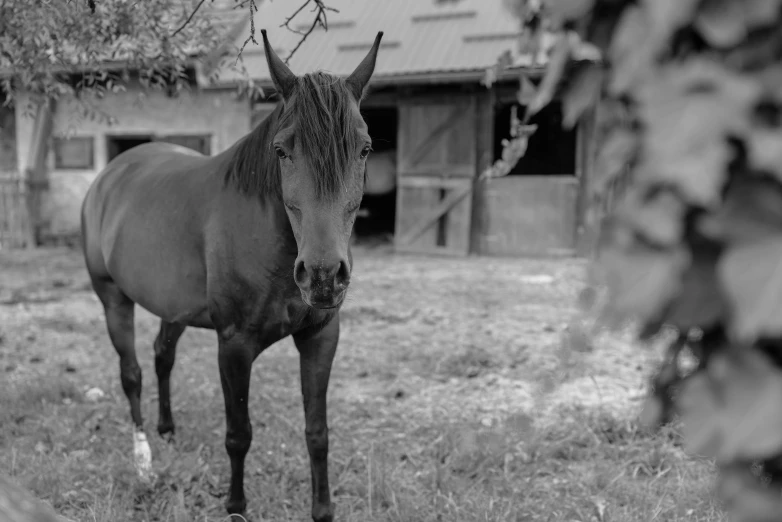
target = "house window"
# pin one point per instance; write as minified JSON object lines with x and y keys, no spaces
{"x":74,"y":153}
{"x":198,"y":143}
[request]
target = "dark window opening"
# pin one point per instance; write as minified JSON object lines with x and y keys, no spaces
{"x":377,"y":214}
{"x":550,"y":151}
{"x":119,"y":144}
{"x":198,"y":143}
{"x":74,"y":153}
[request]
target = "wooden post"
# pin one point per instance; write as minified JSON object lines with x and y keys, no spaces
{"x":587,"y":224}
{"x":36,"y":173}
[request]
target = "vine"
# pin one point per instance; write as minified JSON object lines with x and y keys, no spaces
{"x":696,"y":241}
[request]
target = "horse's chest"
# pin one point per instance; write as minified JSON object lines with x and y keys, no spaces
{"x":283,"y":319}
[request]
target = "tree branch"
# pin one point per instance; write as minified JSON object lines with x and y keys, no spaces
{"x":188,"y":18}
{"x":320,"y":18}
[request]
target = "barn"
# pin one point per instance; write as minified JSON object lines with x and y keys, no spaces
{"x":435,"y":127}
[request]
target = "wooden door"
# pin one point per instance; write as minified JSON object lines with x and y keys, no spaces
{"x":437,"y":167}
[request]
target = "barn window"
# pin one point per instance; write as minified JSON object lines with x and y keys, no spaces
{"x":74,"y":153}
{"x":199,"y":143}
{"x":551,"y":150}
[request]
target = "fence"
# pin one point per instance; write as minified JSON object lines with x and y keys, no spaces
{"x":16,"y":228}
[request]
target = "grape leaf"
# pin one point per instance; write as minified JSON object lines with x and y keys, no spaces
{"x":630,"y":52}
{"x":686,"y":131}
{"x":701,"y":421}
{"x":721,"y":22}
{"x":746,"y":498}
{"x":751,"y":276}
{"x":616,"y":153}
{"x":659,"y":219}
{"x":582,"y":93}
{"x":641,"y":282}
{"x":566,"y":10}
{"x":761,"y":12}
{"x":732,"y":412}
{"x":643,"y":32}
{"x":551,"y":79}
{"x":751,"y":392}
{"x":527,"y":90}
{"x":750,"y":212}
{"x":699,"y":303}
{"x":765,"y":150}
{"x":725,"y":23}
{"x":666,"y":16}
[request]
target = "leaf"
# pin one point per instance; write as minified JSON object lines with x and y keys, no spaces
{"x":721,"y":22}
{"x":765,"y":150}
{"x":689,"y":109}
{"x":746,"y":498}
{"x":527,"y":90}
{"x":699,"y":303}
{"x":641,"y":281}
{"x":666,"y":16}
{"x":701,"y":420}
{"x":725,"y":23}
{"x":750,"y":212}
{"x":732,"y":412}
{"x":751,"y":276}
{"x":567,"y":10}
{"x":629,"y":53}
{"x":659,"y":219}
{"x":582,"y":93}
{"x":616,"y":153}
{"x":642,"y":33}
{"x":751,"y":389}
{"x":554,"y":73}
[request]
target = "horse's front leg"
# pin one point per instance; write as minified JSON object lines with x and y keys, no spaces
{"x":236,"y":353}
{"x":316,"y":353}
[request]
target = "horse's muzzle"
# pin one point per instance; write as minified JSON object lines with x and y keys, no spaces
{"x":322,"y":287}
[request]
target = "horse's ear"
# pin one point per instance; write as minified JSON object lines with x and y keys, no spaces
{"x":358,"y":79}
{"x":284,"y":80}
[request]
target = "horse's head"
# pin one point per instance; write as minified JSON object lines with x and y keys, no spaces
{"x":322,"y":143}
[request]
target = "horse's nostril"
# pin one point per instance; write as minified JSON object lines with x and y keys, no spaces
{"x":300,"y":273}
{"x":343,"y":275}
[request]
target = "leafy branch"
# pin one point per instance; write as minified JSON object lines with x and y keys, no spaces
{"x":690,"y":91}
{"x":58,"y":49}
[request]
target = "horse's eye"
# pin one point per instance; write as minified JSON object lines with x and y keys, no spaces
{"x":365,"y":152}
{"x":280,"y":153}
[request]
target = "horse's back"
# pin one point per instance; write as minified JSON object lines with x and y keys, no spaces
{"x":143,"y":219}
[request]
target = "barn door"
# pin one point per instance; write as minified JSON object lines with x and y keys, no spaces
{"x":437,"y":167}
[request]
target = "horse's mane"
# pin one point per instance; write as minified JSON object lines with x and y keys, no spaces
{"x":320,"y":108}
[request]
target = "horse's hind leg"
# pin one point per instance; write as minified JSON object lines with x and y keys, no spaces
{"x":165,"y":354}
{"x":119,"y":311}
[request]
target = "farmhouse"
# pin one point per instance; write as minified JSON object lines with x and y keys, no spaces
{"x":435,"y":127}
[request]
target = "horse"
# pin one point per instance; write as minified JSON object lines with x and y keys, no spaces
{"x":253,"y":243}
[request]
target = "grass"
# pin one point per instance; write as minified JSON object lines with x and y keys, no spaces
{"x":457,"y":395}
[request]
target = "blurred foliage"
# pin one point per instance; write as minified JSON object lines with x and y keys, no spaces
{"x":56,"y":48}
{"x":696,"y":241}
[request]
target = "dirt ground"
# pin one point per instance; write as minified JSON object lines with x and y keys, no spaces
{"x":459,"y":393}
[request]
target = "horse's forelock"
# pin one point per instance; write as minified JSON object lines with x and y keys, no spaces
{"x":326,"y":127}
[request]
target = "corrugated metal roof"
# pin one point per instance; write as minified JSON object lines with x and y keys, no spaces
{"x":420,"y":37}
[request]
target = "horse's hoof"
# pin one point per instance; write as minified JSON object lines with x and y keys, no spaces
{"x":323,"y":513}
{"x":166,"y":433}
{"x":236,"y":507}
{"x":142,"y":456}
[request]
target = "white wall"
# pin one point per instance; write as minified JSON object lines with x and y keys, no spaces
{"x":215,"y":112}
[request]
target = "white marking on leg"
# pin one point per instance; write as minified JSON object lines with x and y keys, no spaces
{"x":142,"y":455}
